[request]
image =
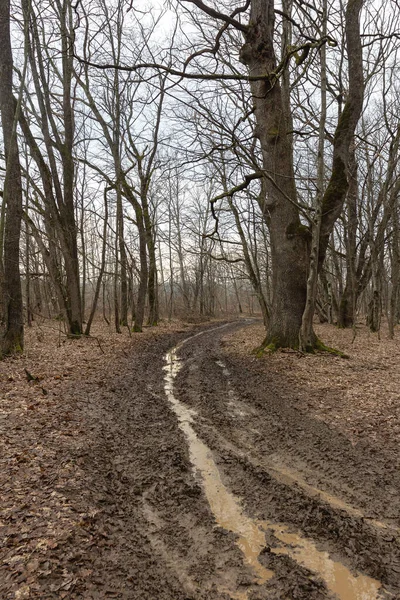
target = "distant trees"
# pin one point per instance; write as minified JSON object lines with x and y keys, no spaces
{"x":129,"y":116}
{"x":52,"y":113}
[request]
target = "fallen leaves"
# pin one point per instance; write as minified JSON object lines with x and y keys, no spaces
{"x":47,"y":521}
{"x":360,"y":397}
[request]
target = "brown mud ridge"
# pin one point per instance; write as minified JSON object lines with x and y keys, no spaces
{"x":198,"y":481}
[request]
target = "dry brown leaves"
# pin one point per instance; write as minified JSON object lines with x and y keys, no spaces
{"x":359,"y":396}
{"x":41,"y":434}
{"x":45,"y":511}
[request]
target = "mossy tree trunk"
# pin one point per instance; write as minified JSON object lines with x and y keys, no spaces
{"x":290,"y":239}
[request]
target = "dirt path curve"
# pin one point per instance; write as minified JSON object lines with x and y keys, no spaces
{"x":317,"y":517}
{"x":194,"y":480}
{"x":196,"y":432}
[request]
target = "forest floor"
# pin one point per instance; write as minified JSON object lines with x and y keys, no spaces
{"x":129,"y":470}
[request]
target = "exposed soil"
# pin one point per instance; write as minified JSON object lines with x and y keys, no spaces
{"x":100,"y":498}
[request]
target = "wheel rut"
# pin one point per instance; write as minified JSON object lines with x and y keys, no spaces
{"x":298,"y":539}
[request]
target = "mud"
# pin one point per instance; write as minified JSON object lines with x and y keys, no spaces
{"x":328,"y":505}
{"x":201,"y":480}
{"x":225,"y":507}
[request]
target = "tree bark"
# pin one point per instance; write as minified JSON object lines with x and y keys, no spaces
{"x":102,"y":266}
{"x":335,"y":194}
{"x":289,"y":238}
{"x":307,"y":336}
{"x":348,"y":300}
{"x":143,"y":280}
{"x":11,"y":319}
{"x":122,"y":262}
{"x":67,"y":208}
{"x":395,"y":272}
{"x":152,"y":265}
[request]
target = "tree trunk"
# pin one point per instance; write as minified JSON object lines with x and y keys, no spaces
{"x":102,"y":266}
{"x":123,"y":264}
{"x":58,"y":192}
{"x":348,"y":301}
{"x":143,"y":279}
{"x":289,"y":238}
{"x":11,"y":319}
{"x":346,"y":306}
{"x":375,"y":311}
{"x":152,"y":283}
{"x":307,"y":337}
{"x":71,"y":259}
{"x":335,"y":193}
{"x":395,"y":272}
{"x":117,"y":320}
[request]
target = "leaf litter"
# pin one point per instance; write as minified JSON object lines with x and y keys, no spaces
{"x":360,"y":396}
{"x":50,"y":521}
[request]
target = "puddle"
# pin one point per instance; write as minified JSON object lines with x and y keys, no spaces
{"x":338,"y":579}
{"x":225,"y":507}
{"x":229,"y":515}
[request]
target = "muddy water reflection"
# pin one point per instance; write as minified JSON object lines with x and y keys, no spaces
{"x":251,"y":537}
{"x":225,"y":507}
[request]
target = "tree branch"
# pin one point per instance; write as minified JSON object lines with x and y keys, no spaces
{"x":221,"y":16}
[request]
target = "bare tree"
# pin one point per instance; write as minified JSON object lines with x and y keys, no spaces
{"x":11,"y":310}
{"x":54,"y":162}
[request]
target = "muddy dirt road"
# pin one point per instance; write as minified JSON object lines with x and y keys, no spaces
{"x":199,"y":481}
{"x":316,"y":517}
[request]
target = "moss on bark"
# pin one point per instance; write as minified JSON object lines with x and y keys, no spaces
{"x":269,"y":346}
{"x":299,"y":230}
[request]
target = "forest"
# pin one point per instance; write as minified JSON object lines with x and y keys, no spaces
{"x":143,"y":175}
{"x":199,"y":299}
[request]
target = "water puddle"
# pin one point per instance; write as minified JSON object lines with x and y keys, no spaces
{"x":338,"y":579}
{"x":229,"y":515}
{"x":225,"y":507}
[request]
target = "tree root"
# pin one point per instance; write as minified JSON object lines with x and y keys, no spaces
{"x":321,"y":347}
{"x":316,"y":348}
